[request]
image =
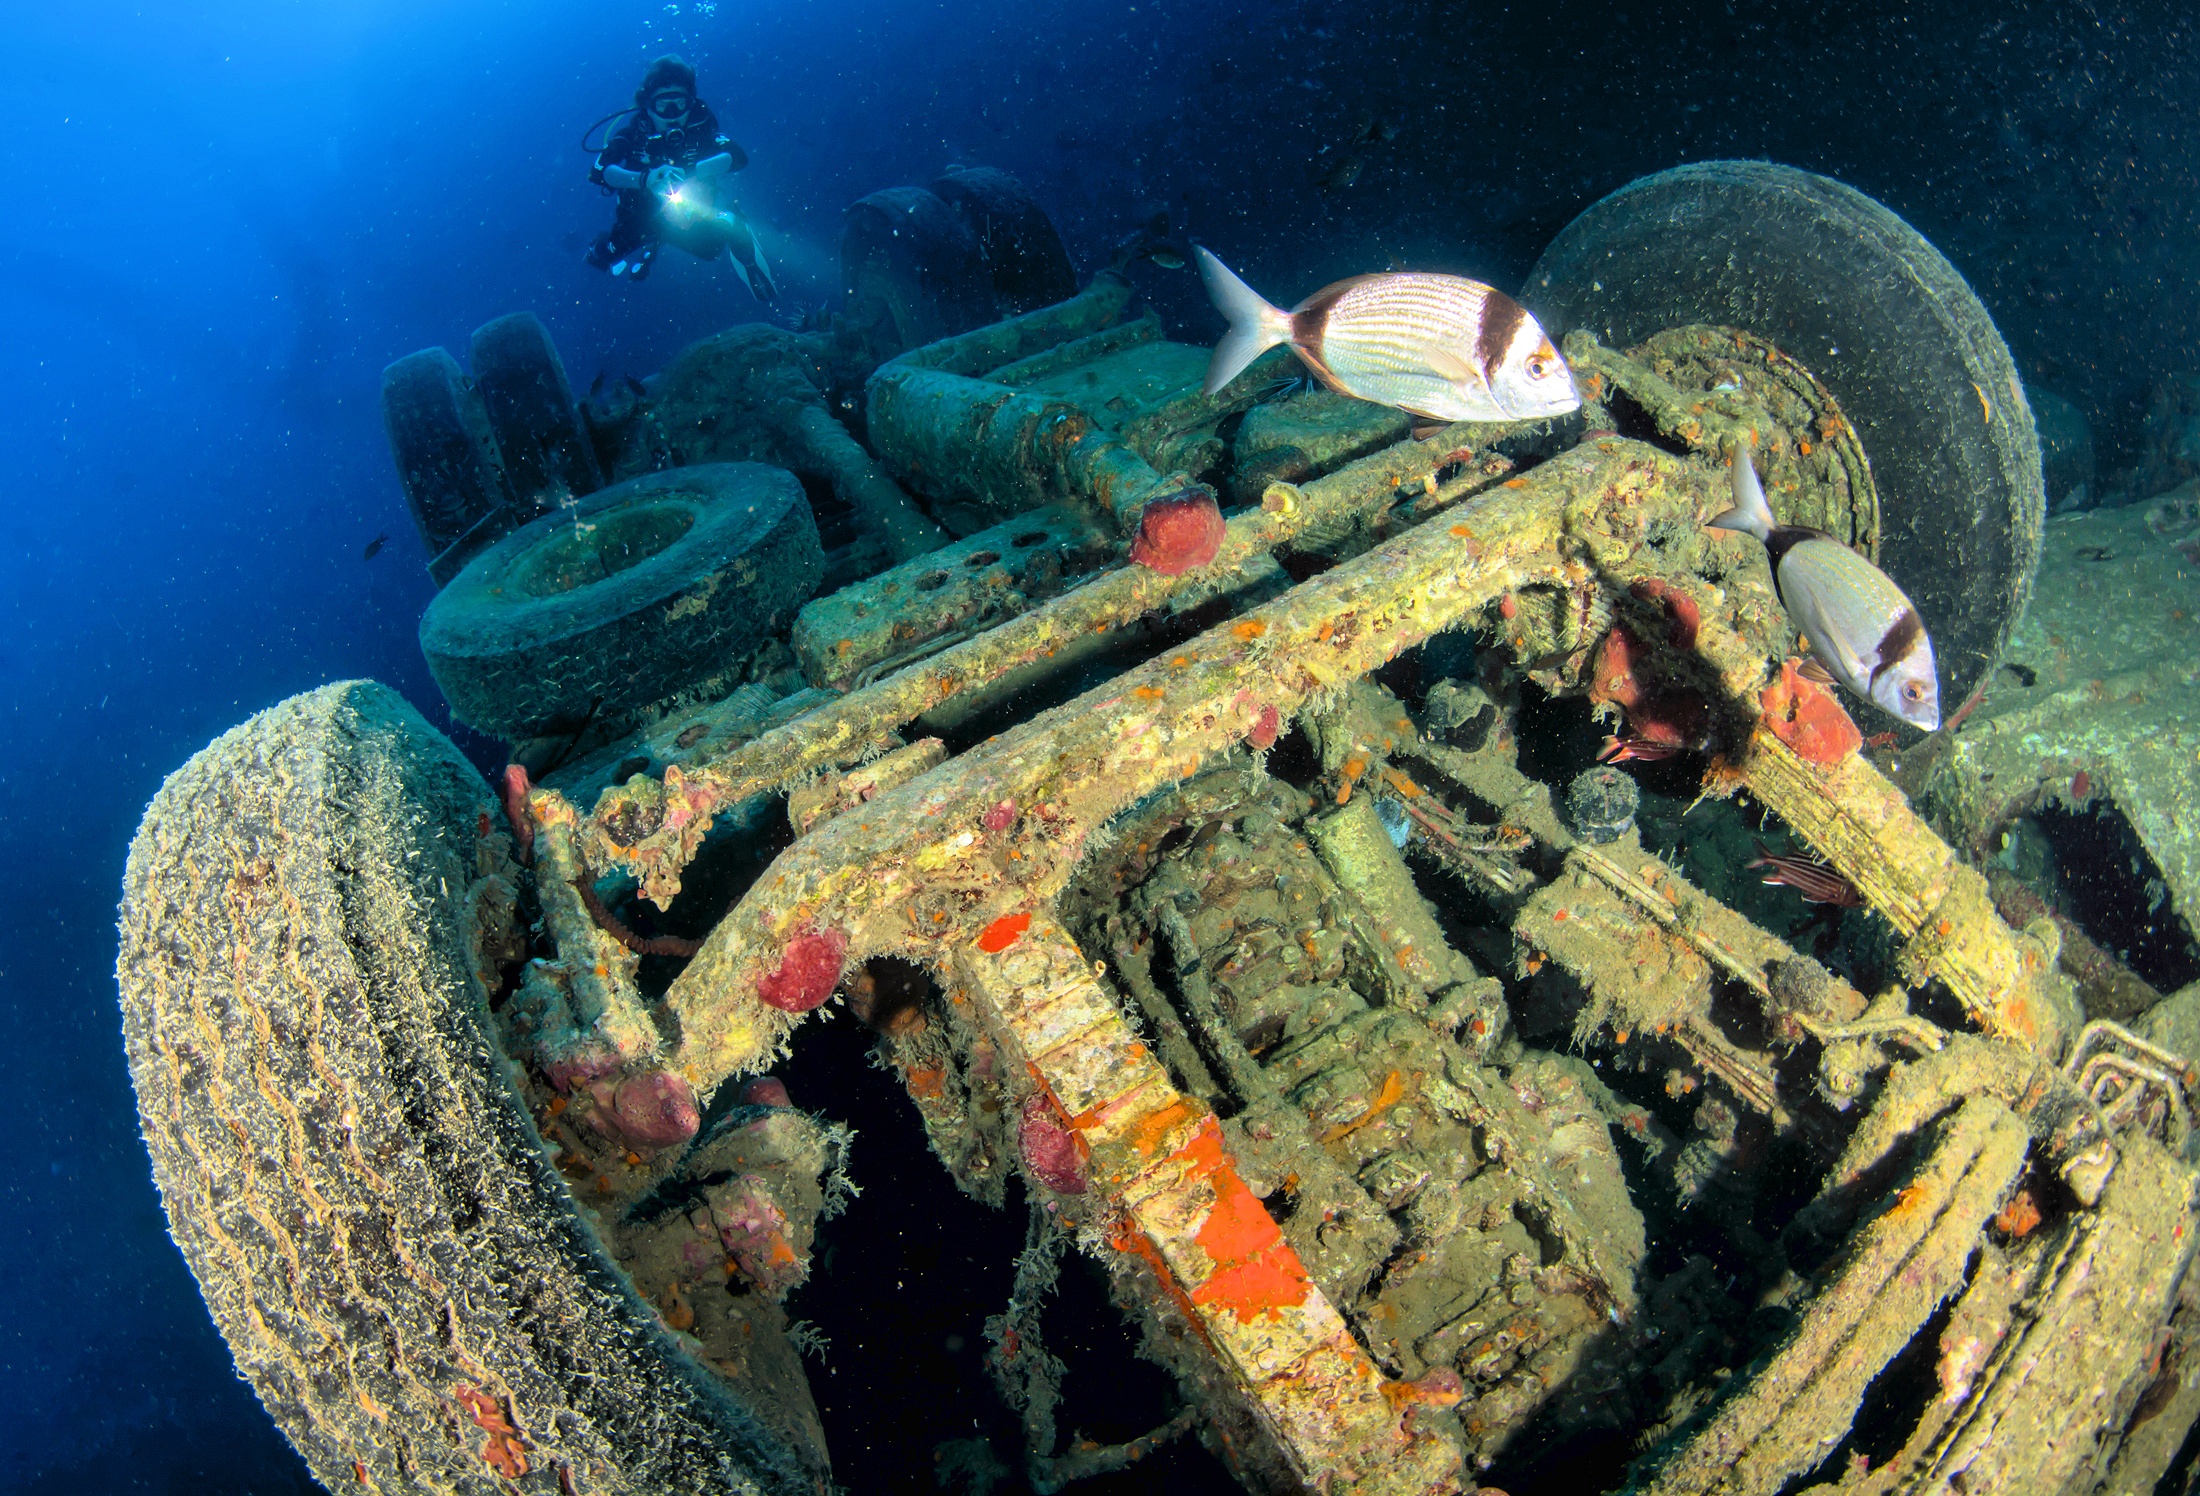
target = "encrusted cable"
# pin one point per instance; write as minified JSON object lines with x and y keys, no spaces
{"x":619,"y":930}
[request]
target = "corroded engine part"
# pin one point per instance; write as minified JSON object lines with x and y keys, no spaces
{"x":920,"y":871}
{"x":1644,"y":944}
{"x":1467,"y":1220}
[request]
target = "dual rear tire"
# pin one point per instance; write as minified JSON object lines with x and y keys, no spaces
{"x":480,"y":456}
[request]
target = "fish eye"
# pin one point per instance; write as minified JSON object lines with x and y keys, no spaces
{"x":1913,"y":690}
{"x":1539,"y":367}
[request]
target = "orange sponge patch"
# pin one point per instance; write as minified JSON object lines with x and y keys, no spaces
{"x":1803,"y":714}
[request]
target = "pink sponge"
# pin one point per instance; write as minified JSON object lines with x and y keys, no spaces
{"x":1050,"y":1149}
{"x":766,"y":1090}
{"x":656,"y":1109}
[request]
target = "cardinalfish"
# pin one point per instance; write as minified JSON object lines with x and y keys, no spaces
{"x":1151,"y":240}
{"x":1863,"y":630}
{"x":1437,"y":346}
{"x":1621,"y":747}
{"x":1816,"y":881}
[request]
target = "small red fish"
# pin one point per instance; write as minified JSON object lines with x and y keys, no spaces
{"x":1816,"y":881}
{"x":1619,"y":749}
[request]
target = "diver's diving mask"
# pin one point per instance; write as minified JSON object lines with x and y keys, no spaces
{"x":670,"y":106}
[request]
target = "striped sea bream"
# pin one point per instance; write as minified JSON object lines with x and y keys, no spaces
{"x":1862,"y":628}
{"x":1439,"y":346}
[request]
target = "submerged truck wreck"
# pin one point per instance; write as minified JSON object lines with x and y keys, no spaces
{"x":1190,"y":794}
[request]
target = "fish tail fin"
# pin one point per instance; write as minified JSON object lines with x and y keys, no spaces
{"x":1750,"y":512}
{"x":1255,"y":326}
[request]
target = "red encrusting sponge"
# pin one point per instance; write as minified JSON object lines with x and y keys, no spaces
{"x":1179,"y":531}
{"x":515,"y":811}
{"x":1050,"y":1149}
{"x":807,"y":974}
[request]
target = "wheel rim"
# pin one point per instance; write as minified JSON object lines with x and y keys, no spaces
{"x":1882,"y":320}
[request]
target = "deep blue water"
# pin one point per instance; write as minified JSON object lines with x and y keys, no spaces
{"x":224,"y":219}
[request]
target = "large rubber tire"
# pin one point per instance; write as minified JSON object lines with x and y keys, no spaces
{"x":913,"y":270}
{"x":447,"y":459}
{"x":346,"y":1167}
{"x":639,"y":592}
{"x":1883,"y":320}
{"x":1021,"y":248}
{"x":548,"y":457}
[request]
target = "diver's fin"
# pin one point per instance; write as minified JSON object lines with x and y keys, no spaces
{"x":757,"y":278}
{"x":1750,"y":514}
{"x":1255,"y":326}
{"x":743,"y":271}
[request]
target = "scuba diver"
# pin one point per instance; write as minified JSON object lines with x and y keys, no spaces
{"x":666,"y":164}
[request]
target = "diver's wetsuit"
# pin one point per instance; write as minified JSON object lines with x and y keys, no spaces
{"x":639,"y":146}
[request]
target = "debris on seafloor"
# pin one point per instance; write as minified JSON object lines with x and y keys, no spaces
{"x":2091,"y":712}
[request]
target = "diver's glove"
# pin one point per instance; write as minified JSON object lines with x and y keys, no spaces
{"x":665,"y":179}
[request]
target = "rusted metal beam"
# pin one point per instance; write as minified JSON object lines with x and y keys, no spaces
{"x":1856,"y":819}
{"x":1900,"y":1266}
{"x":1171,"y":1199}
{"x":949,"y":592}
{"x":651,"y":828}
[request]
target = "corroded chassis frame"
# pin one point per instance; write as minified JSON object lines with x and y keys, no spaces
{"x":957,"y":867}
